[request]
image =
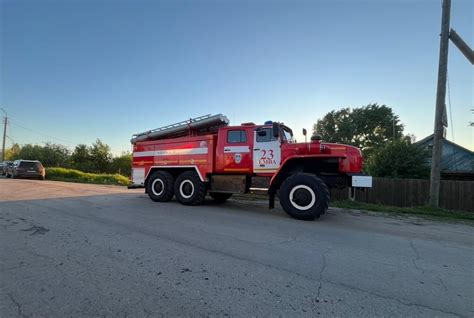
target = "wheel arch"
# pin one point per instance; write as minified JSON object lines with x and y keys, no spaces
{"x":174,"y":170}
{"x":304,"y":164}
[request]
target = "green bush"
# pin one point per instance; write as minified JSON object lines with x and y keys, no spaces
{"x":400,"y":159}
{"x":63,"y":174}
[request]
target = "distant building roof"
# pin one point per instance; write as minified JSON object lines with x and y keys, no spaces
{"x":454,"y":157}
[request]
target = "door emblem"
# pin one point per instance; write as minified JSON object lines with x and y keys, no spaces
{"x":238,"y":157}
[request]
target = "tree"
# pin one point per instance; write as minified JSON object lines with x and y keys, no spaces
{"x":122,"y":164}
{"x":81,"y":159}
{"x":400,"y":159}
{"x":50,"y":155}
{"x":80,"y":154}
{"x":367,"y":127}
{"x":13,"y":152}
{"x":100,"y":156}
{"x":54,"y":155}
{"x":31,"y":152}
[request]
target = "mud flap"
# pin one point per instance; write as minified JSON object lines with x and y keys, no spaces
{"x":271,"y":200}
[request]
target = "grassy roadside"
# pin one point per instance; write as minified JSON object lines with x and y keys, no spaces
{"x":421,"y":211}
{"x":71,"y":175}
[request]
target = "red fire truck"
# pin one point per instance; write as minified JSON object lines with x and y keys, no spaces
{"x":207,"y":155}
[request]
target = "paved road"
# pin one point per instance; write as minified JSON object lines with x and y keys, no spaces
{"x":87,"y":250}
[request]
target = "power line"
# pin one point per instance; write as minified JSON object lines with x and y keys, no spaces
{"x":9,"y":131}
{"x":451,"y":120}
{"x":450,"y":108}
{"x":10,"y":134}
{"x":15,"y":123}
{"x":4,"y":133}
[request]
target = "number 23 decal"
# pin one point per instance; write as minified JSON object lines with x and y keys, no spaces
{"x":267,"y":154}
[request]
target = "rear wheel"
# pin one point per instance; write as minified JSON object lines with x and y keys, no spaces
{"x":304,"y":196}
{"x":189,"y":189}
{"x":160,"y":186}
{"x":220,"y":197}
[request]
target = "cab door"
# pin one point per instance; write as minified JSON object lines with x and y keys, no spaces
{"x":266,"y":151}
{"x":236,"y":153}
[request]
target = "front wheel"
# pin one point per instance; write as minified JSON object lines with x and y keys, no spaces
{"x":189,"y":189}
{"x":304,"y":196}
{"x":160,"y":186}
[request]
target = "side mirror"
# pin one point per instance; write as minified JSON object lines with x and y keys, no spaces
{"x":276,"y":130}
{"x":304,"y":132}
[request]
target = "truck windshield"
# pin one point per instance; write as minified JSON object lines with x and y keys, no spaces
{"x":286,"y":135}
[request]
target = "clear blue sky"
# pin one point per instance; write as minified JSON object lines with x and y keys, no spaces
{"x":82,"y":70}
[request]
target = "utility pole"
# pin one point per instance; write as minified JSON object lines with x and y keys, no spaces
{"x":440,"y":106}
{"x":4,"y":134}
{"x":440,"y":122}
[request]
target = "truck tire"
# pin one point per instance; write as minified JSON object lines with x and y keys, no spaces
{"x":219,"y":196}
{"x":160,"y":186}
{"x":189,"y":189}
{"x":304,"y":196}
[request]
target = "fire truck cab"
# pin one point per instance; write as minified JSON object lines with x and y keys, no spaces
{"x":206,"y":155}
{"x":248,"y":149}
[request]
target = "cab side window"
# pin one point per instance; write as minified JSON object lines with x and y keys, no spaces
{"x":264,"y":135}
{"x":236,"y":136}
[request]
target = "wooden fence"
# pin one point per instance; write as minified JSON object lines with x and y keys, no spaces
{"x":454,"y":195}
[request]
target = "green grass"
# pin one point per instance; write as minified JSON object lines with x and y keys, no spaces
{"x":71,"y":175}
{"x":423,"y":211}
{"x":420,"y":211}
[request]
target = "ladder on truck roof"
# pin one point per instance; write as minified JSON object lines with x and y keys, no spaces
{"x":199,"y":124}
{"x":179,"y":124}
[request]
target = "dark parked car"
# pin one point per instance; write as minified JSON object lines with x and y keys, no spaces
{"x":27,"y":169}
{"x":3,"y":167}
{"x":8,"y":167}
